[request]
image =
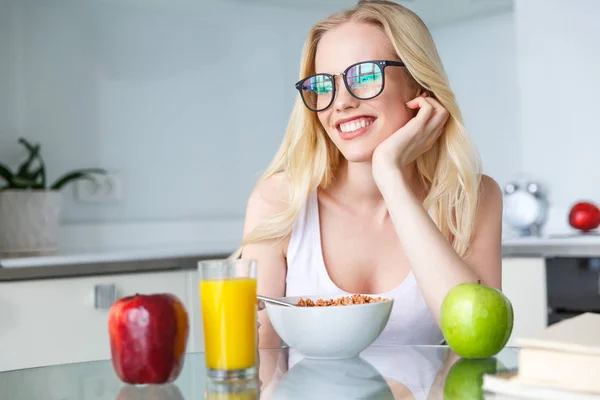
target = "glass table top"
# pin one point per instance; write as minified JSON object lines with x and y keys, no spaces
{"x":403,"y":372}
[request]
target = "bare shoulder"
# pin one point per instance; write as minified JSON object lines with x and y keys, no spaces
{"x":269,"y":198}
{"x":490,"y":196}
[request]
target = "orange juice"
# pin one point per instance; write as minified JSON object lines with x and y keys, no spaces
{"x":229,"y":316}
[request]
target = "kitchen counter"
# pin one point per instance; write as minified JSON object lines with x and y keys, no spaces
{"x":552,"y":246}
{"x":101,"y":260}
{"x":111,"y":260}
{"x":111,"y":248}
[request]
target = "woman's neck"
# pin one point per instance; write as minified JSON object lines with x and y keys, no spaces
{"x":354,"y":184}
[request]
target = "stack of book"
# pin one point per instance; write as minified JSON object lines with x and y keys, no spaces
{"x":560,"y":362}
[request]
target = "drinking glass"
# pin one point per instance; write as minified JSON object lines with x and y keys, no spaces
{"x":234,"y":390}
{"x":229,"y":314}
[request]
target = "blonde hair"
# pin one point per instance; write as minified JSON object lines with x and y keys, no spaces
{"x":450,"y":170}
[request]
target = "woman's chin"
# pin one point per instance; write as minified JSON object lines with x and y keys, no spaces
{"x":358,"y":155}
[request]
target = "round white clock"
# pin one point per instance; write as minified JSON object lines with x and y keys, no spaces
{"x":525,"y":207}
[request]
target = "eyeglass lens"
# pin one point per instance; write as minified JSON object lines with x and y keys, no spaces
{"x":364,"y":81}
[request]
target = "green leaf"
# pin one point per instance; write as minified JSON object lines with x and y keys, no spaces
{"x":40,"y":173}
{"x":43,"y":168}
{"x":34,"y":152}
{"x":38,"y":178}
{"x":6,"y":174}
{"x":76,"y":175}
{"x":37,"y":175}
{"x":23,"y":183}
{"x":27,"y":145}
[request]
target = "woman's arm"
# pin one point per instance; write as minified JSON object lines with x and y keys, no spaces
{"x":435,"y":264}
{"x":267,"y":199}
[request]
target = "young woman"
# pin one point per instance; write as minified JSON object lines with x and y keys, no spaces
{"x":376,"y":188}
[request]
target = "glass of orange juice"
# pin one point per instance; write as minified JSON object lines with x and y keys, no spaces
{"x":229,"y":314}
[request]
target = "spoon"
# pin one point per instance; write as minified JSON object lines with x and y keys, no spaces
{"x":275,"y":301}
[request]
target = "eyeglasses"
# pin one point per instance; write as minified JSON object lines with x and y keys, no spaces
{"x":364,"y":80}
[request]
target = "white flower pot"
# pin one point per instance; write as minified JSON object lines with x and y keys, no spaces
{"x":29,"y":220}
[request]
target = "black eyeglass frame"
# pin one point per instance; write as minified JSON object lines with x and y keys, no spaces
{"x":382,"y":65}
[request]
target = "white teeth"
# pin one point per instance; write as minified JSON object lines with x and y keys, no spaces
{"x":354,"y":125}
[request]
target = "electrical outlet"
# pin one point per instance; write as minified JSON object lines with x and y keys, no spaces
{"x":106,"y":188}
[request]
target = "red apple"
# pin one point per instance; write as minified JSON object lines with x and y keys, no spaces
{"x":584,"y":216}
{"x":148,"y":338}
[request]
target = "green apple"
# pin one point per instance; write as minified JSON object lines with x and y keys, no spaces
{"x":476,"y":320}
{"x":465,"y":379}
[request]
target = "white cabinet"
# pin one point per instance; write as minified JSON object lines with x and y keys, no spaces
{"x":52,"y":321}
{"x":524,"y":283}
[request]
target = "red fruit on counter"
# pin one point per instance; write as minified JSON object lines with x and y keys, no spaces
{"x":148,"y":338}
{"x":584,"y":216}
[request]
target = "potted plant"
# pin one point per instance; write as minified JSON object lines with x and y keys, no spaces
{"x":29,"y":207}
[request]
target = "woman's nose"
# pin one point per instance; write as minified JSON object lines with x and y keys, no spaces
{"x":343,"y":99}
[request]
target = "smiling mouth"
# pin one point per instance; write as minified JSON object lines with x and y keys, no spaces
{"x":356,"y":127}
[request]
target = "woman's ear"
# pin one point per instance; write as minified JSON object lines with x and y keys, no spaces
{"x":422,"y":92}
{"x":425,"y":93}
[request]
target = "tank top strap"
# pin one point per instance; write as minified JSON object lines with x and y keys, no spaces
{"x":302,"y":232}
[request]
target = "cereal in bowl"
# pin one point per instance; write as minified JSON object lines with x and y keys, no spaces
{"x":342,"y":301}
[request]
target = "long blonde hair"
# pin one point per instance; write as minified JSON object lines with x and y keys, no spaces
{"x":450,"y":170}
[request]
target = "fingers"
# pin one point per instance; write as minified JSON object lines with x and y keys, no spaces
{"x":439,"y":112}
{"x":437,"y":122}
{"x":429,"y":105}
{"x":421,"y":103}
{"x":434,"y":114}
{"x":425,"y":112}
{"x":430,"y":118}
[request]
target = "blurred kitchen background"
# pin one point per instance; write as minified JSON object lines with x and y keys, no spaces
{"x":166,"y":95}
{"x":185,"y":102}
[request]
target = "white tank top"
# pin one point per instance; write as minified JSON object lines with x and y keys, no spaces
{"x":410,"y":322}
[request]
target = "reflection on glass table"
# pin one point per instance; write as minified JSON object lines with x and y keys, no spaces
{"x":403,"y":372}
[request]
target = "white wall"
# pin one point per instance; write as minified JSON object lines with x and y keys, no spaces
{"x":8,"y":89}
{"x":154,"y":90}
{"x":188,"y":99}
{"x":479,"y":57}
{"x":558,"y":56}
{"x":528,"y":85}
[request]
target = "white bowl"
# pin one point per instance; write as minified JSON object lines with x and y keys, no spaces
{"x":335,"y":332}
